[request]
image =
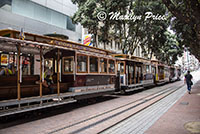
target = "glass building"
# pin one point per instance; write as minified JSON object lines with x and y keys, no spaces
{"x":40,"y":17}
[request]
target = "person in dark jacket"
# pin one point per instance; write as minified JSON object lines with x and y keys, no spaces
{"x":188,"y":80}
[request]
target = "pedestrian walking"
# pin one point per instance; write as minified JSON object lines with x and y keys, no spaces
{"x":188,"y":80}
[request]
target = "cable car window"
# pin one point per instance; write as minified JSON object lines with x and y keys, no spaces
{"x":111,"y":66}
{"x":103,"y":65}
{"x":120,"y":67}
{"x":161,"y":70}
{"x":25,"y":65}
{"x":153,"y":70}
{"x":131,"y":69}
{"x":7,"y":64}
{"x":48,"y":63}
{"x":147,"y":69}
{"x":93,"y":64}
{"x":4,"y":59}
{"x":140,"y":69}
{"x":166,"y":71}
{"x":131,"y":74}
{"x":55,"y":68}
{"x":68,"y":64}
{"x":81,"y":63}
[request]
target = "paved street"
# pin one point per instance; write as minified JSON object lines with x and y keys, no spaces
{"x":140,"y":122}
{"x":75,"y":120}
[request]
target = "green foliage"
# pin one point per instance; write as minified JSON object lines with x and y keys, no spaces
{"x":86,"y":15}
{"x":170,"y":51}
{"x":153,"y":36}
{"x":150,"y":34}
{"x":186,"y":23}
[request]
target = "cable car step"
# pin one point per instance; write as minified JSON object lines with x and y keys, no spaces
{"x":26,"y":108}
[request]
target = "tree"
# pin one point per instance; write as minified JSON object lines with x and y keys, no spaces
{"x":187,"y":22}
{"x":152,"y":35}
{"x":170,"y":51}
{"x":87,"y":16}
{"x":148,"y":33}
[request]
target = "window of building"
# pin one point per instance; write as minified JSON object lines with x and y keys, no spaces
{"x":111,"y":44}
{"x":85,"y":31}
{"x":82,"y":64}
{"x":93,"y":64}
{"x":38,"y":12}
{"x":111,"y":66}
{"x":6,"y":5}
{"x":103,"y":65}
{"x":119,"y":47}
{"x":24,"y":7}
{"x":70,"y":24}
{"x":115,"y":44}
{"x":58,"y":19}
{"x":138,"y":52}
{"x":68,"y":63}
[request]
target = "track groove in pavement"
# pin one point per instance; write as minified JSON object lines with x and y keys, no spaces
{"x":88,"y":125}
{"x":140,"y":122}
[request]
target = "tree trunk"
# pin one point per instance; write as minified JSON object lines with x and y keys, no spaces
{"x":197,"y":30}
{"x":104,"y":45}
{"x":97,"y":40}
{"x":151,"y":55}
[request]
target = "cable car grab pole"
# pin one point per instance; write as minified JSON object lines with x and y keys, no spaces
{"x":41,"y":71}
{"x":58,"y":72}
{"x":18,"y":73}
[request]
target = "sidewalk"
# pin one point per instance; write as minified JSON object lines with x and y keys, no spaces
{"x":178,"y":113}
{"x":182,"y":118}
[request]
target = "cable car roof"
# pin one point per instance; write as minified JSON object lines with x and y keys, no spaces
{"x":51,"y":40}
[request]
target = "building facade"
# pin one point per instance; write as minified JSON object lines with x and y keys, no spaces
{"x":113,"y":45}
{"x":40,"y":17}
{"x":188,"y":62}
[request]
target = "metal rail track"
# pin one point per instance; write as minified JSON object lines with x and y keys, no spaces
{"x":141,"y":109}
{"x":141,"y":101}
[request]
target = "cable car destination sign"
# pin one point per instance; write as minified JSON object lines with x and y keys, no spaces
{"x":76,"y":46}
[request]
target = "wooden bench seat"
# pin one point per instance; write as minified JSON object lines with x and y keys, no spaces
{"x":12,"y":80}
{"x":10,"y":92}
